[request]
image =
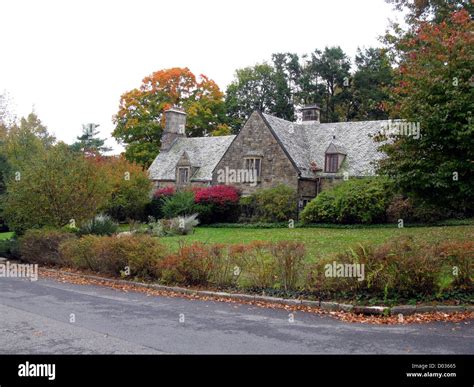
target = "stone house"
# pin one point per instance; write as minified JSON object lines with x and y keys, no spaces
{"x":307,"y":156}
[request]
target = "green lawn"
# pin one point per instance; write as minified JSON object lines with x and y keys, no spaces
{"x":322,"y":241}
{"x":6,"y":235}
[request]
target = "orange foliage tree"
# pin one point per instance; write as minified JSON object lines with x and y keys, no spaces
{"x":139,"y":121}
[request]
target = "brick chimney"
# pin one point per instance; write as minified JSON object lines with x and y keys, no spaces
{"x":311,"y":114}
{"x":175,"y":123}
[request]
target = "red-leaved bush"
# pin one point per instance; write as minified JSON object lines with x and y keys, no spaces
{"x":219,"y":203}
{"x":218,"y":194}
{"x":166,"y":191}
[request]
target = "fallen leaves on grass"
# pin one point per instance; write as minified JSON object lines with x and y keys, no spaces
{"x":77,"y":279}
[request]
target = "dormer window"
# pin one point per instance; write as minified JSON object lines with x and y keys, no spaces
{"x":334,"y":156}
{"x":332,"y":163}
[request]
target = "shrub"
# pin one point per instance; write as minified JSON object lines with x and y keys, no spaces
{"x":165,"y":191}
{"x":130,"y":188}
{"x":428,"y":213}
{"x":41,"y":246}
{"x":99,"y":225}
{"x":191,"y":265}
{"x":54,"y":188}
{"x":217,"y":204}
{"x":399,"y":269}
{"x":322,"y":209}
{"x":112,"y":254}
{"x":247,"y":208}
{"x":258,"y":266}
{"x":9,"y":248}
{"x":354,"y":201}
{"x":153,"y":208}
{"x":278,"y":204}
{"x":219,"y":194}
{"x":182,"y":225}
{"x":417,"y":211}
{"x":225,"y":269}
{"x":400,"y":208}
{"x":289,"y":258}
{"x":459,"y":257}
{"x":268,"y":265}
{"x":182,"y":203}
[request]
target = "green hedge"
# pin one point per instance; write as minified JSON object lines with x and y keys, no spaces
{"x":350,"y":202}
{"x":277,"y":204}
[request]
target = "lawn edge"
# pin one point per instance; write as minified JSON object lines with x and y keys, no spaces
{"x":405,"y":310}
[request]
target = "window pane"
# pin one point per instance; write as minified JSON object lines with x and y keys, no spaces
{"x":183,"y":175}
{"x":331,"y":163}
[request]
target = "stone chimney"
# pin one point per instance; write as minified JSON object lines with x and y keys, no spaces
{"x":310,"y":114}
{"x":175,"y":124}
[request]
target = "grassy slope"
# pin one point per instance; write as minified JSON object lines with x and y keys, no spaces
{"x":322,"y":241}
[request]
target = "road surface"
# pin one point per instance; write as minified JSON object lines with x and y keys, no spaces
{"x":51,"y":317}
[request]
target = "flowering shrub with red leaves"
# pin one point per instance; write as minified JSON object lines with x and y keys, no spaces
{"x":166,"y":191}
{"x":217,"y":204}
{"x":218,"y":194}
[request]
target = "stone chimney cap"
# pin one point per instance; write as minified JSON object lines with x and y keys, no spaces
{"x":175,"y":109}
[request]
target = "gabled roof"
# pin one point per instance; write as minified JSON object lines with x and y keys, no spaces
{"x":335,"y":148}
{"x":307,"y":142}
{"x":304,"y":143}
{"x":204,"y":153}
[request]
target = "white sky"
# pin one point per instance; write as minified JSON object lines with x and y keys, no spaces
{"x":71,"y":60}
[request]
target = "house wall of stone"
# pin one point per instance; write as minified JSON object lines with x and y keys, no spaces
{"x":307,"y":188}
{"x":255,"y":139}
{"x":328,"y":183}
{"x":164,"y":184}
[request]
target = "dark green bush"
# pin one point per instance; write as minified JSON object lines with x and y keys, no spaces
{"x":9,"y":248}
{"x":181,"y":203}
{"x":278,"y":204}
{"x":353,"y":201}
{"x":41,"y":246}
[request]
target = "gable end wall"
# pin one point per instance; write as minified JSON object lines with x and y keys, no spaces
{"x":255,"y":138}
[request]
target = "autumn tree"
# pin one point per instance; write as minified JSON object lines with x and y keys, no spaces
{"x":139,"y":121}
{"x":430,"y":10}
{"x":433,"y":87}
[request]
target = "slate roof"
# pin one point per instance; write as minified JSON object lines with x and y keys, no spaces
{"x":204,"y":153}
{"x":307,"y":142}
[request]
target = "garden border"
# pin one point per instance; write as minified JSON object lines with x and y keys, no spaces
{"x":324,"y":305}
